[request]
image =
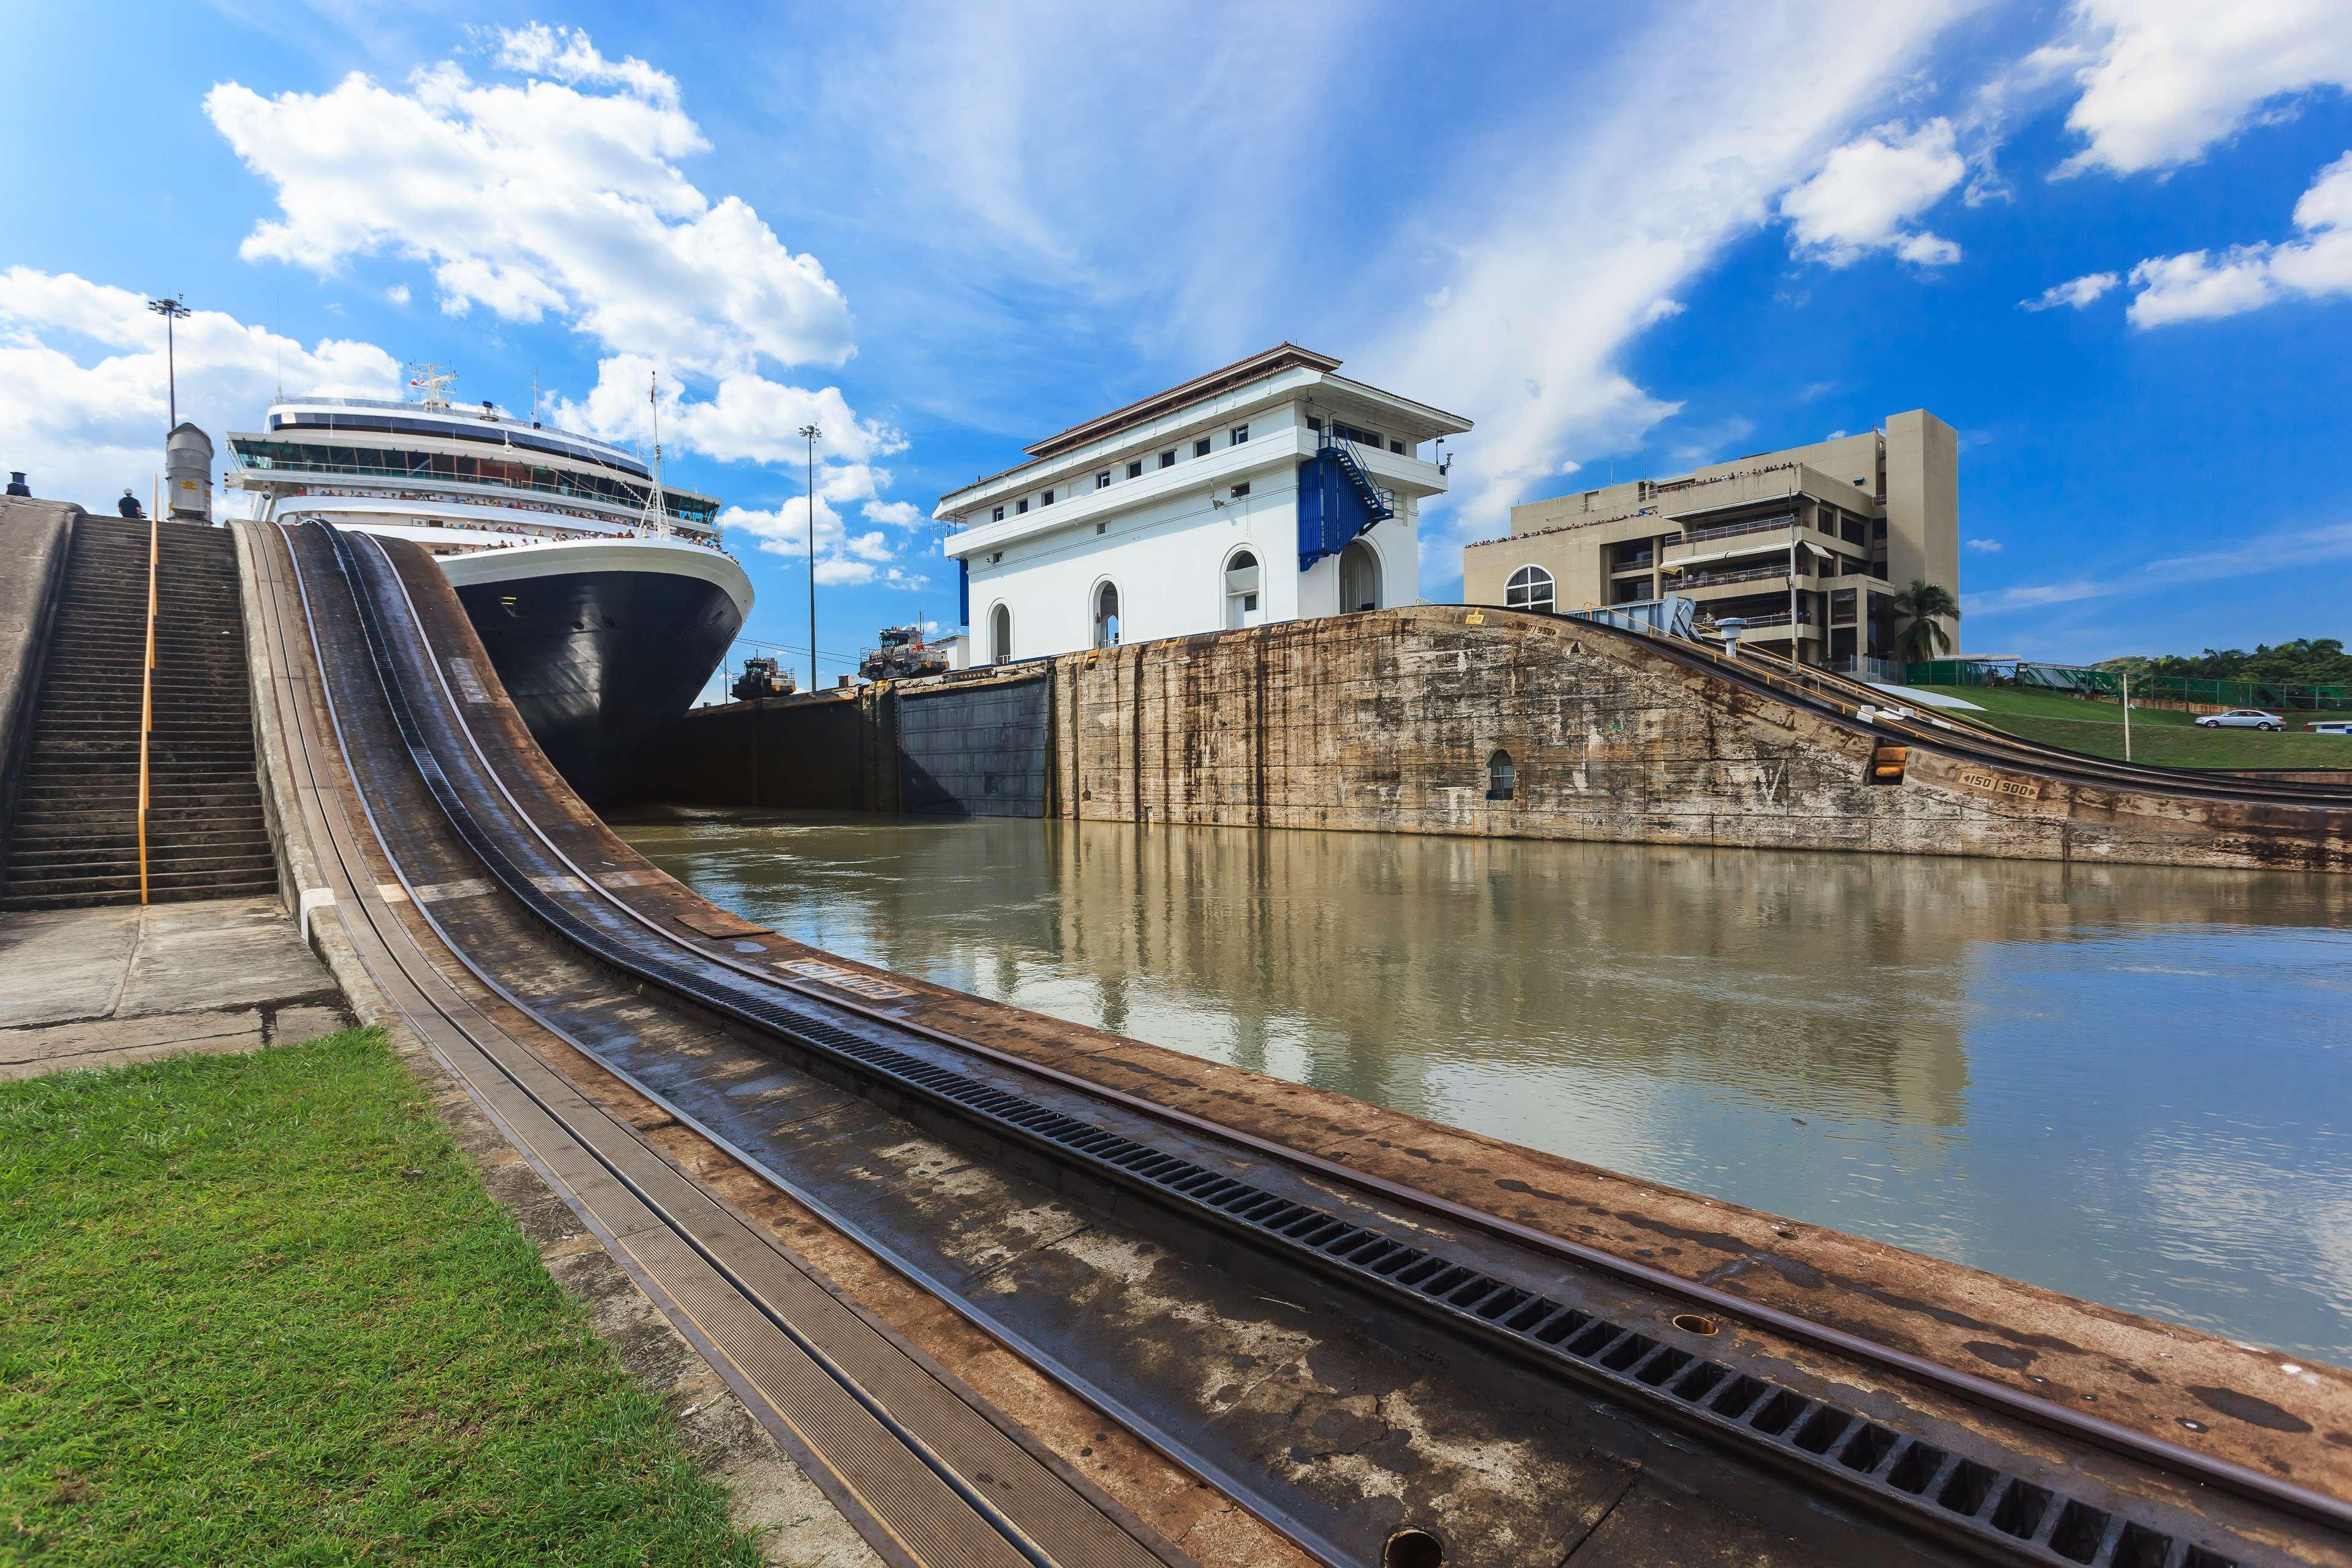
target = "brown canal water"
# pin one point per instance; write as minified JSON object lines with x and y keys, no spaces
{"x":2126,"y":1084}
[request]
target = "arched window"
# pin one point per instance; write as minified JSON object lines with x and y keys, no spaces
{"x":1243,"y":591}
{"x":1528,"y":589}
{"x":1107,"y":616}
{"x":1000,"y":635}
{"x":1502,"y":778}
{"x":1359,"y":578}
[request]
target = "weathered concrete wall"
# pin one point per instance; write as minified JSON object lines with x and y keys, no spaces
{"x":1386,"y":723}
{"x":821,"y":751}
{"x":34,"y":536}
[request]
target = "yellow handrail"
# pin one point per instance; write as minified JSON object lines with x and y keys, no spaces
{"x":147,"y":678}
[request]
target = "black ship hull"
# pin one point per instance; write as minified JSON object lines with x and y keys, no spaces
{"x":598,"y":662}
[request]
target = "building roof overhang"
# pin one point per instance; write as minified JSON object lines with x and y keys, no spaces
{"x":1284,"y":356}
{"x":1302,"y":372}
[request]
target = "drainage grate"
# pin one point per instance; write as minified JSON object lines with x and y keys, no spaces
{"x":1845,"y":1448}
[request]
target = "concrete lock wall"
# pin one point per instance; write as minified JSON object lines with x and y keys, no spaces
{"x":1392,"y":721}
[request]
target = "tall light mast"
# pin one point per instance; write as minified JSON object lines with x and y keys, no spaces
{"x":656,"y":516}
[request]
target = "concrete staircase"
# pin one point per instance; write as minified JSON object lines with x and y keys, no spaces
{"x":75,"y":838}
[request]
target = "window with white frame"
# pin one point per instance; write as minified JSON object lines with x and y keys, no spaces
{"x":1135,"y":469}
{"x":1528,"y":589}
{"x":1240,"y":434}
{"x":998,"y":516}
{"x":1168,"y":459}
{"x":1201,"y":447}
{"x":1102,"y":480}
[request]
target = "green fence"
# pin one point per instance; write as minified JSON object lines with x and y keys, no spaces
{"x":2086,"y":682}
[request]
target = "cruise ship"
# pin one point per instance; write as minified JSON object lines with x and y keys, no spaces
{"x":603,"y":596}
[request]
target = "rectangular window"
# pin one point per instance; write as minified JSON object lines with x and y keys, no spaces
{"x":1249,"y":601}
{"x":999,"y":516}
{"x":1240,"y":435}
{"x":1102,"y":528}
{"x":1168,"y":459}
{"x":1102,"y":480}
{"x":1201,"y":447}
{"x":1398,"y":447}
{"x":1314,"y":422}
{"x":1020,"y":505}
{"x":1241,"y":489}
{"x":1049,"y":498}
{"x":1135,"y":469}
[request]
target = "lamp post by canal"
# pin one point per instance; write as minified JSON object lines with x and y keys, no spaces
{"x":812,"y":432}
{"x":171,"y":310}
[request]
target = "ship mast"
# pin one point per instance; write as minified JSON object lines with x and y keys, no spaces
{"x":433,"y":382}
{"x":656,"y":515}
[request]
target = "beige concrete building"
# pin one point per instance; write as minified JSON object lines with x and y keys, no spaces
{"x":1860,"y":517}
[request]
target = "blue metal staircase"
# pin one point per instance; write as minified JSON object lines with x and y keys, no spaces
{"x":1337,"y":500}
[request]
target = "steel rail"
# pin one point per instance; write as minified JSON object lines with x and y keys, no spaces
{"x":2142,"y":1447}
{"x":147,"y":689}
{"x":357,"y":876}
{"x":1840,"y":690}
{"x":2069,"y":767}
{"x":1139,"y":1422}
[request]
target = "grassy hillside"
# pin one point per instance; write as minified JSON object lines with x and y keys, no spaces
{"x":2159,"y":737}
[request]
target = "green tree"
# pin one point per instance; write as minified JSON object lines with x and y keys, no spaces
{"x":1923,"y":636}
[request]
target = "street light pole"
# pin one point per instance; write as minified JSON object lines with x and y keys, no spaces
{"x":171,"y":310}
{"x":812,"y":432}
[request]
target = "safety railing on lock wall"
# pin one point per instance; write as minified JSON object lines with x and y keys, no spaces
{"x":147,"y":679}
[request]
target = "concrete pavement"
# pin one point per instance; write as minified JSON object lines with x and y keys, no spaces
{"x":103,"y":986}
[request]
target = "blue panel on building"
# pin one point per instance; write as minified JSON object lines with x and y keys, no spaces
{"x":963,"y":592}
{"x":1330,"y":513}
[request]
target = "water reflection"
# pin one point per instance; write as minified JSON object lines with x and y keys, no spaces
{"x":2119,"y":1082}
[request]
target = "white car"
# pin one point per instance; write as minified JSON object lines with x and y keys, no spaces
{"x":2241,"y":718}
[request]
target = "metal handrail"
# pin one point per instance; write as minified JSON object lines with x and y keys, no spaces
{"x":147,"y":678}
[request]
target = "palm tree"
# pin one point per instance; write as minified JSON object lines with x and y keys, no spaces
{"x":1924,"y":607}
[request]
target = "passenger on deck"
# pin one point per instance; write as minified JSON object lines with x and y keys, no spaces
{"x":129,"y":505}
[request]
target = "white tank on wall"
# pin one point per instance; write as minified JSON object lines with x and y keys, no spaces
{"x":188,"y":474}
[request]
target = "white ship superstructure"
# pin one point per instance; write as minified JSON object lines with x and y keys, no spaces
{"x":602,"y":595}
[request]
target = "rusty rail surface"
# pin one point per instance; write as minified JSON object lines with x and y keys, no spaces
{"x":1948,"y":1488}
{"x":919,"y":1464}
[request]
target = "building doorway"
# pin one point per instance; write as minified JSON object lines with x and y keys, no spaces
{"x":1000,"y":635}
{"x":1107,"y":616}
{"x":1245,"y":592}
{"x":1359,"y":578}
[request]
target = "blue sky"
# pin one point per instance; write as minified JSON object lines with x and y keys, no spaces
{"x":2110,"y":242}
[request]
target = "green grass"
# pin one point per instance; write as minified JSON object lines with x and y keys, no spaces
{"x":2159,"y":736}
{"x":257,"y":1310}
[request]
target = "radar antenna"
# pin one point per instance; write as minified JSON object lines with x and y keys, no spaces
{"x":656,"y":515}
{"x":433,"y":382}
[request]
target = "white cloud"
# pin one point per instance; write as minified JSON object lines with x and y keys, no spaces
{"x":2164,"y":80}
{"x":2198,"y":285}
{"x":897,"y":513}
{"x":1869,"y":191}
{"x":2075,"y":292}
{"x":842,"y":557}
{"x":82,"y":393}
{"x":1562,"y":245}
{"x":747,"y":418}
{"x":1990,"y":546}
{"x":566,"y":54}
{"x":537,"y":198}
{"x":2293,"y":549}
{"x":397,"y":294}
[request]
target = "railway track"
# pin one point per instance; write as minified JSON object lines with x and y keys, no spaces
{"x":1835,"y":696}
{"x":1643,"y":1417}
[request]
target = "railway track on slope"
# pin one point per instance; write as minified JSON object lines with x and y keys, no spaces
{"x":1834,"y":696}
{"x":1747,"y":1414}
{"x":927,"y":1473}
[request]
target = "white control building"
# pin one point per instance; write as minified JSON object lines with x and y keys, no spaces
{"x":1269,"y":491}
